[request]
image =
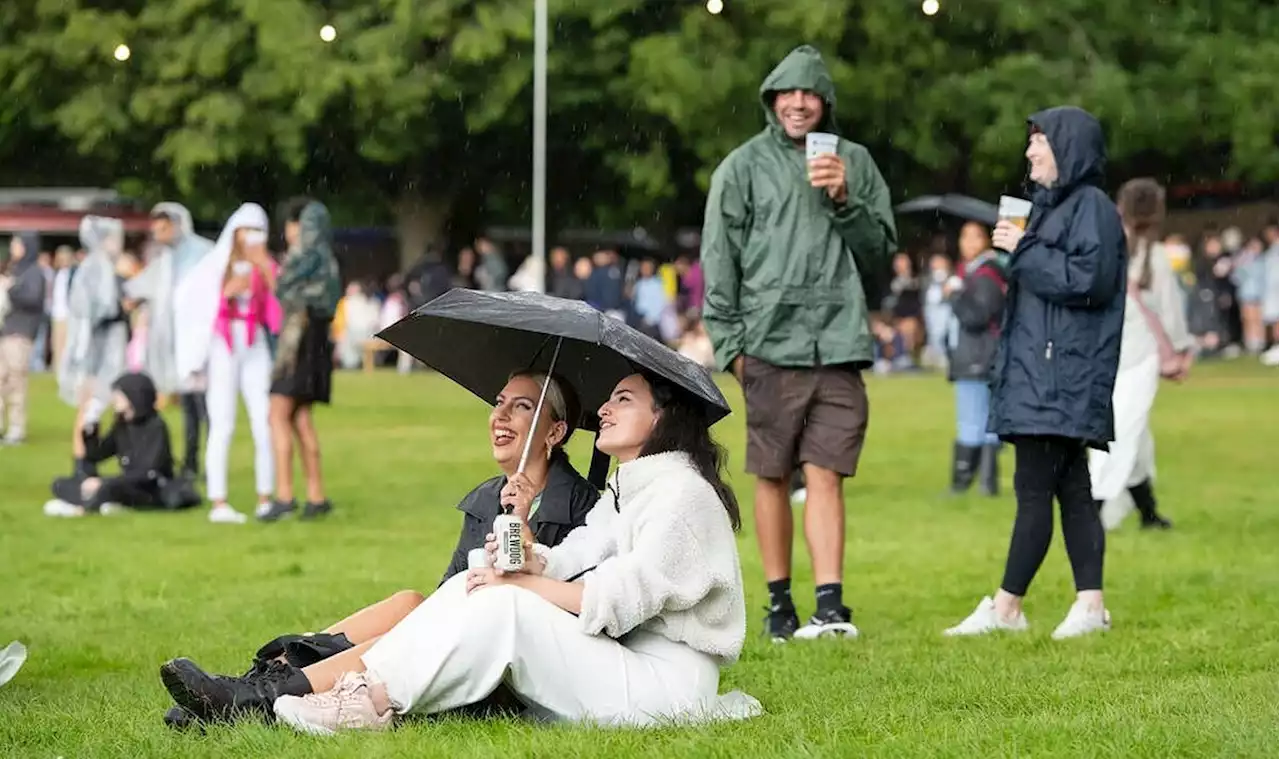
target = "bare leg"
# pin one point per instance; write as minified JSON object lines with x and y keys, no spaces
{"x":774,"y":526}
{"x":281,"y":418}
{"x":377,"y":619}
{"x":309,"y":442}
{"x":323,"y":675}
{"x":77,"y":438}
{"x":824,"y":523}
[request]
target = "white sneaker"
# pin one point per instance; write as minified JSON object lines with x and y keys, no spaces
{"x":799,"y":497}
{"x":110,"y":509}
{"x":60,"y":508}
{"x":347,"y":706}
{"x":984,"y":619}
{"x":1082,"y":620}
{"x":1271,"y":357}
{"x":225,"y":514}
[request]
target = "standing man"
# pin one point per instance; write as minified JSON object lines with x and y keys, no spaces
{"x":181,"y":249}
{"x":786,"y":247}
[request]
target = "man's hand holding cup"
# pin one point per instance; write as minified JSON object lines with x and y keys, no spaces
{"x":826,"y":167}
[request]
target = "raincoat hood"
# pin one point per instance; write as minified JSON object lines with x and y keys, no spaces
{"x":802,"y":69}
{"x":140,"y":391}
{"x":1078,"y":145}
{"x":31,"y":248}
{"x":96,"y":231}
{"x":180,"y":214}
{"x":315,"y":229}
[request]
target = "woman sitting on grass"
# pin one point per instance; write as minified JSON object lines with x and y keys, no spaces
{"x":555,"y":500}
{"x":627,"y":622}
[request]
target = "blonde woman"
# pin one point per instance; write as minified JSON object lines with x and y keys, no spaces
{"x":226,"y":313}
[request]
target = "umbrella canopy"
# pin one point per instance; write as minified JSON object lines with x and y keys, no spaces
{"x":963,"y":206}
{"x":480,"y":339}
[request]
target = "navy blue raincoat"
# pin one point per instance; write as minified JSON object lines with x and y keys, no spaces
{"x":1060,"y":344}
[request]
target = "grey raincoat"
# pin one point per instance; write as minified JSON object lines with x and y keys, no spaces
{"x":97,"y":329}
{"x":156,"y":285}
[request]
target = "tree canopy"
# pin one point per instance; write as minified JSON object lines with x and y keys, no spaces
{"x":421,"y":112}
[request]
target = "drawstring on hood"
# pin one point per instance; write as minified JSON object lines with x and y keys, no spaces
{"x":802,"y":69}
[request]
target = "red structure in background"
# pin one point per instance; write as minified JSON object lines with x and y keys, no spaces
{"x":59,"y":222}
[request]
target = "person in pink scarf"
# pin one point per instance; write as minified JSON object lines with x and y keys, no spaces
{"x":230,"y":298}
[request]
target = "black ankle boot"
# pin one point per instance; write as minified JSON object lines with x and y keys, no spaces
{"x":989,"y":470}
{"x":1144,"y":498}
{"x":964,"y":464}
{"x":83,"y":469}
{"x":223,"y":697}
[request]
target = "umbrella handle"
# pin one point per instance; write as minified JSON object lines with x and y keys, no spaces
{"x":537,"y":411}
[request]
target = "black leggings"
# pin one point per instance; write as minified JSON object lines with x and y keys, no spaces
{"x":194,"y":415}
{"x":1048,"y":467}
{"x":111,"y":490}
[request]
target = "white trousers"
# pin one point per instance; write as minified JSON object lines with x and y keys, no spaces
{"x":246,"y":372}
{"x":1132,"y":456}
{"x":455,"y":649}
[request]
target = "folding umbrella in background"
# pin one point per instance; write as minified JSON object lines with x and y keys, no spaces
{"x":959,"y":206}
{"x":479,"y":339}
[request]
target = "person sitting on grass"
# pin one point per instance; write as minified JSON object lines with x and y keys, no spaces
{"x":627,"y":622}
{"x":139,"y":439}
{"x":560,"y":499}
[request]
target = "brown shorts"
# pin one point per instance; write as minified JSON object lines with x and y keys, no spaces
{"x":803,"y":416}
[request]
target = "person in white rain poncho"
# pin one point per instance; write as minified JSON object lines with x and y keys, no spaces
{"x":97,"y":330}
{"x":225,"y":314}
{"x":181,"y":249}
{"x":627,"y":622}
{"x":1155,"y":343}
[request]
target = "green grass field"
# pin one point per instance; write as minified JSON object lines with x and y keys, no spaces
{"x":1190,"y":668}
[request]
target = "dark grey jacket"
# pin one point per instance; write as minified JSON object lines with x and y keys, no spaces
{"x":26,"y":294}
{"x":977,"y":310}
{"x":566,"y":501}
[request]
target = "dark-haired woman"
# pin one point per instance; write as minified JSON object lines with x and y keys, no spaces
{"x":1155,"y":343}
{"x":557,"y":502}
{"x":627,"y":622}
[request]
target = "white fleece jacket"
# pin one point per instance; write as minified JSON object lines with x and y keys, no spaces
{"x":664,"y":557}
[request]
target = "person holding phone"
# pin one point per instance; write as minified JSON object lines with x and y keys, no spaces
{"x":1056,"y":366}
{"x":798,"y":222}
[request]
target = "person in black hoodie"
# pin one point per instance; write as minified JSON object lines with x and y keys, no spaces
{"x":1056,"y":366}
{"x":139,"y":439}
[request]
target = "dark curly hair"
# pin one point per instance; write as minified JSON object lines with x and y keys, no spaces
{"x":682,"y":426}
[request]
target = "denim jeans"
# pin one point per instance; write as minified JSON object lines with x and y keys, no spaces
{"x":973,"y":398}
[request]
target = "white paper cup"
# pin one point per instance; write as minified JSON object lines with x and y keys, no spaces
{"x":820,"y":143}
{"x":1014,"y":210}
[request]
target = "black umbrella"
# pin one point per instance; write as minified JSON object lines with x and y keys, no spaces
{"x":955,"y":205}
{"x":480,"y":339}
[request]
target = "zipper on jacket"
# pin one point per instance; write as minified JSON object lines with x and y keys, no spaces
{"x":1051,"y":389}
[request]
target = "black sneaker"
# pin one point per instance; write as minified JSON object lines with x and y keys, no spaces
{"x":222,"y":697}
{"x":1156,"y":522}
{"x":834,"y":623}
{"x":275,"y":510}
{"x":780,"y":624}
{"x":316,"y":510}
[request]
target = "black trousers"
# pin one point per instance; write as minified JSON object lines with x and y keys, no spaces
{"x":194,"y":416}
{"x":112,"y":490}
{"x":1049,"y":467}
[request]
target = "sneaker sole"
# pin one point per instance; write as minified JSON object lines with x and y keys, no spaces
{"x":837,"y":630}
{"x":287,"y":713}
{"x":183,"y":697}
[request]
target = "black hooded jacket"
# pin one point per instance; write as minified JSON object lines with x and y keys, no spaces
{"x":1060,"y":340}
{"x":141,"y":443}
{"x":26,"y":292}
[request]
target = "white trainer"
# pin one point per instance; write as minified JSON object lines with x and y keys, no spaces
{"x":225,"y":514}
{"x":984,"y":619}
{"x":1082,"y":620}
{"x":60,"y":508}
{"x":347,"y":706}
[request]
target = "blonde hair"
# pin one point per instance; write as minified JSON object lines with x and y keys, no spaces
{"x":561,"y":403}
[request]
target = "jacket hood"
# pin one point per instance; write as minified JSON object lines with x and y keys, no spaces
{"x":1079,"y":147}
{"x":97,"y":231}
{"x":31,"y":254}
{"x":802,"y":69}
{"x":180,"y":214}
{"x":315,"y":229}
{"x":140,"y":391}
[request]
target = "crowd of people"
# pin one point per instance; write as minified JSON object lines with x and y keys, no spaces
{"x":209,"y":323}
{"x":1057,"y":332}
